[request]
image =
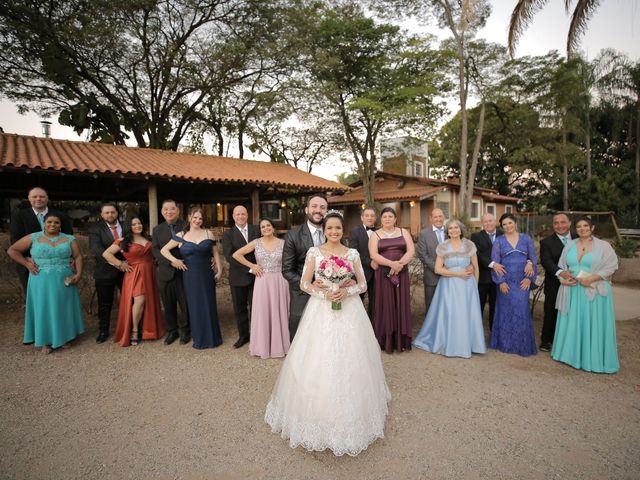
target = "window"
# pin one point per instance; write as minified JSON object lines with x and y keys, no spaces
{"x":475,"y":210}
{"x":444,"y":206}
{"x":491,"y":208}
{"x":417,"y":169}
{"x":508,"y":209}
{"x":270,"y":210}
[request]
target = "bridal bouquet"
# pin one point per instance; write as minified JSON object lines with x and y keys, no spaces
{"x":333,"y":271}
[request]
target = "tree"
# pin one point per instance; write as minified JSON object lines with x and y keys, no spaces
{"x":374,"y":79}
{"x":525,"y":10}
{"x":462,"y":18}
{"x":620,"y":83}
{"x":140,"y":66}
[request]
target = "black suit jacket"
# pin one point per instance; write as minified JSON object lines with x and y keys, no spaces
{"x":159,"y":238}
{"x":233,"y":240}
{"x":550,"y":251}
{"x":482,"y":240}
{"x":359,"y":240}
{"x":101,"y":238}
{"x":296,"y":244}
{"x":25,"y":222}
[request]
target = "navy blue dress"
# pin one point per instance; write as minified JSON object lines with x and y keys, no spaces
{"x":512,"y":330}
{"x":200,"y":290}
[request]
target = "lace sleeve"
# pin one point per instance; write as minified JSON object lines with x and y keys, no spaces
{"x":306,"y":280}
{"x":361,"y":285}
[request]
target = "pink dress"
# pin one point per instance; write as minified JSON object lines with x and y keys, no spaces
{"x":270,"y":305}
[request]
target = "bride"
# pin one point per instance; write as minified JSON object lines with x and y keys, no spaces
{"x":331,"y":392}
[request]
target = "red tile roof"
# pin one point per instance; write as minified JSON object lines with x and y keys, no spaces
{"x":86,"y":157}
{"x":357,"y":196}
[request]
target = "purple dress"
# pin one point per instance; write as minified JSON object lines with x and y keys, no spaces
{"x":270,"y":305}
{"x":392,"y":307}
{"x":512,"y":330}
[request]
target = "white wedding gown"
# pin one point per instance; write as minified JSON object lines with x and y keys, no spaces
{"x":331,"y":391}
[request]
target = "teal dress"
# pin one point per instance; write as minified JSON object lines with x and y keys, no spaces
{"x":585,"y":336}
{"x":53,"y":314}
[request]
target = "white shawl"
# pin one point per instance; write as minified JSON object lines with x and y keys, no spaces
{"x":604,"y":263}
{"x":467,"y":249}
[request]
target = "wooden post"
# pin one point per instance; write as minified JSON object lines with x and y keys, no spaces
{"x":615,"y":226}
{"x":415,"y":216}
{"x":152,"y":193}
{"x":255,"y":206}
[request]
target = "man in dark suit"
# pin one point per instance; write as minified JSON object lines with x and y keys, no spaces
{"x":428,"y":240}
{"x":25,"y":221}
{"x":240,"y":277}
{"x":169,"y":278}
{"x":107,"y":276}
{"x":484,"y":243}
{"x":359,"y":239}
{"x":550,"y":251}
{"x":296,"y":244}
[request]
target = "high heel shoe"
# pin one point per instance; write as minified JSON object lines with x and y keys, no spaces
{"x":134,"y":338}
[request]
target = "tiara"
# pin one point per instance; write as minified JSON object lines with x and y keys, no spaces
{"x":336,"y":212}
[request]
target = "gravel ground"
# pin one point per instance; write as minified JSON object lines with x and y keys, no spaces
{"x":172,"y":412}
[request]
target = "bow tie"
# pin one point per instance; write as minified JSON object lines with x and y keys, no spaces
{"x":368,"y":229}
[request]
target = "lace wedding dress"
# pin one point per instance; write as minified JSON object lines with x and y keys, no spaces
{"x":331,"y":392}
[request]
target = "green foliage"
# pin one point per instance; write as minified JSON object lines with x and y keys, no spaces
{"x":626,"y":248}
{"x":347,"y":178}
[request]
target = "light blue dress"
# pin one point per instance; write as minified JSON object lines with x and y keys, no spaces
{"x":453,"y":326}
{"x":53,"y":313}
{"x":585,"y":336}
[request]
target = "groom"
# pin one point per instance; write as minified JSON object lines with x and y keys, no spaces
{"x":296,"y":244}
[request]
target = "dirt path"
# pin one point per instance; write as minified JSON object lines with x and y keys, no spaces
{"x":158,"y":412}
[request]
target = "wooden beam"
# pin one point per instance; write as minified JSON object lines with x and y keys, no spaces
{"x":152,"y":193}
{"x":255,"y":206}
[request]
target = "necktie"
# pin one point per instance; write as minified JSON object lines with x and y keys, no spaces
{"x":564,"y":240}
{"x":114,"y":231}
{"x":440,"y":235}
{"x":318,"y":238}
{"x":244,"y":234}
{"x":493,"y":237}
{"x":40,"y":217}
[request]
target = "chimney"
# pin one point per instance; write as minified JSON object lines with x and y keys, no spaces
{"x":46,"y":128}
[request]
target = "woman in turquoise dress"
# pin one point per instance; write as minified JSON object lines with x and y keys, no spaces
{"x":453,"y":326}
{"x":53,"y":316}
{"x":585,"y":335}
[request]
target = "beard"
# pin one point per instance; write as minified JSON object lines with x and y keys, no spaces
{"x":312,"y":220}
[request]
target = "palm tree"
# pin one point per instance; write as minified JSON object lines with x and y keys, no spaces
{"x":619,"y":80}
{"x":525,"y":10}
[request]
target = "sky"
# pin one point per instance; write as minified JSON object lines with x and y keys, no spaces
{"x":616,"y":24}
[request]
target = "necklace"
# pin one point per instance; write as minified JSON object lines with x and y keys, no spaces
{"x":385,"y":233}
{"x":583,"y":247}
{"x":53,"y":239}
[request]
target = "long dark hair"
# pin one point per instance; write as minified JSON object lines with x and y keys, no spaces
{"x":127,"y":238}
{"x":193,"y":210}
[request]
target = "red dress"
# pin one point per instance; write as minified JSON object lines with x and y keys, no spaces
{"x":141,"y":281}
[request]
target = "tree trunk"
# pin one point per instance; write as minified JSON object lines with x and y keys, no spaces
{"x":565,"y":171}
{"x":474,"y":159}
{"x":587,"y":144}
{"x":637,"y":209}
{"x":464,"y":194}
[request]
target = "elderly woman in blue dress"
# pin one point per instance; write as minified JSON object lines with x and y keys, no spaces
{"x":513,"y":257}
{"x":453,"y":326}
{"x":585,"y":335}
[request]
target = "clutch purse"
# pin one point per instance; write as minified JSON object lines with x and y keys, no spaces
{"x":583,"y":274}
